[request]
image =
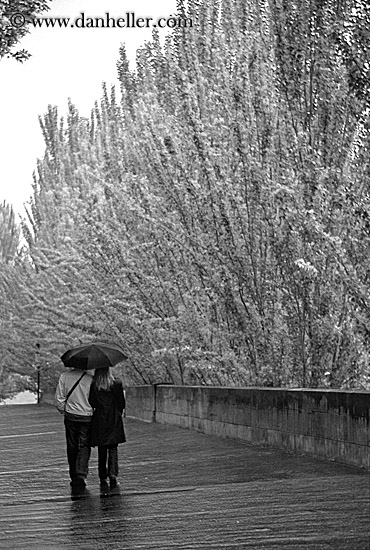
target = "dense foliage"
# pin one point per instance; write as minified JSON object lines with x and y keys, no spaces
{"x":15,"y":19}
{"x":215,"y":220}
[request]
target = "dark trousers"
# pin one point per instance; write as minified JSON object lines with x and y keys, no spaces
{"x":107,"y":461}
{"x":78,"y":447}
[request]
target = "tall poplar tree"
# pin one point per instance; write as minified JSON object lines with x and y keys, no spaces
{"x":214,"y":221}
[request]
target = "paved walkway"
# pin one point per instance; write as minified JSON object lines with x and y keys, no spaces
{"x":179,"y":490}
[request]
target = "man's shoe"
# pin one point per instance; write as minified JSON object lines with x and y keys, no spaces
{"x":104,"y":487}
{"x":78,"y":485}
{"x":113,"y":482}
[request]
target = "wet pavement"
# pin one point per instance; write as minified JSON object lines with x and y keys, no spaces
{"x":179,"y":490}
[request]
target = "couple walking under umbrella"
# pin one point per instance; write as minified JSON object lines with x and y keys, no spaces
{"x":92,"y":405}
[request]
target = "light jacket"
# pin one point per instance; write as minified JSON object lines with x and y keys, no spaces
{"x":78,"y":402}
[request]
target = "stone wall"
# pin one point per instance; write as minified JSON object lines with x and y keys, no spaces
{"x":328,"y":424}
{"x":47,"y":398}
{"x":141,"y":402}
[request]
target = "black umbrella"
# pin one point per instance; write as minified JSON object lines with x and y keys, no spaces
{"x":95,"y":355}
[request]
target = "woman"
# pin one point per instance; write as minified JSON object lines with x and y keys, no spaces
{"x":108,"y":401}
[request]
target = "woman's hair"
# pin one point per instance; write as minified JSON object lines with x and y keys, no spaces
{"x":103,"y":378}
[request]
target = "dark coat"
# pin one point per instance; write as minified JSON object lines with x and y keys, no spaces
{"x":106,"y":425}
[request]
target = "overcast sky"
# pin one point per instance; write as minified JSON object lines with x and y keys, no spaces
{"x":67,"y":62}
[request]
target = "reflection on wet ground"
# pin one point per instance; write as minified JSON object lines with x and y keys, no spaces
{"x":179,"y":490}
{"x":97,"y":518}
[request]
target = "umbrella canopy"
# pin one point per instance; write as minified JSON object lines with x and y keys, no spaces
{"x":95,"y":355}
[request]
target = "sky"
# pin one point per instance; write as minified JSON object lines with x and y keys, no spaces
{"x":66,"y":63}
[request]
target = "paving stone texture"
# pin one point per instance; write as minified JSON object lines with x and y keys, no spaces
{"x":179,"y":490}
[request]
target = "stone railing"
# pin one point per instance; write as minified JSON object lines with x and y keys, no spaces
{"x":324,"y":423}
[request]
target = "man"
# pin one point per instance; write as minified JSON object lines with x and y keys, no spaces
{"x":72,"y":400}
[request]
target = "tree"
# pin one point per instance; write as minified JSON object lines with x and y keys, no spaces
{"x":216,"y":221}
{"x":9,"y":234}
{"x":15,"y":19}
{"x":9,"y":253}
